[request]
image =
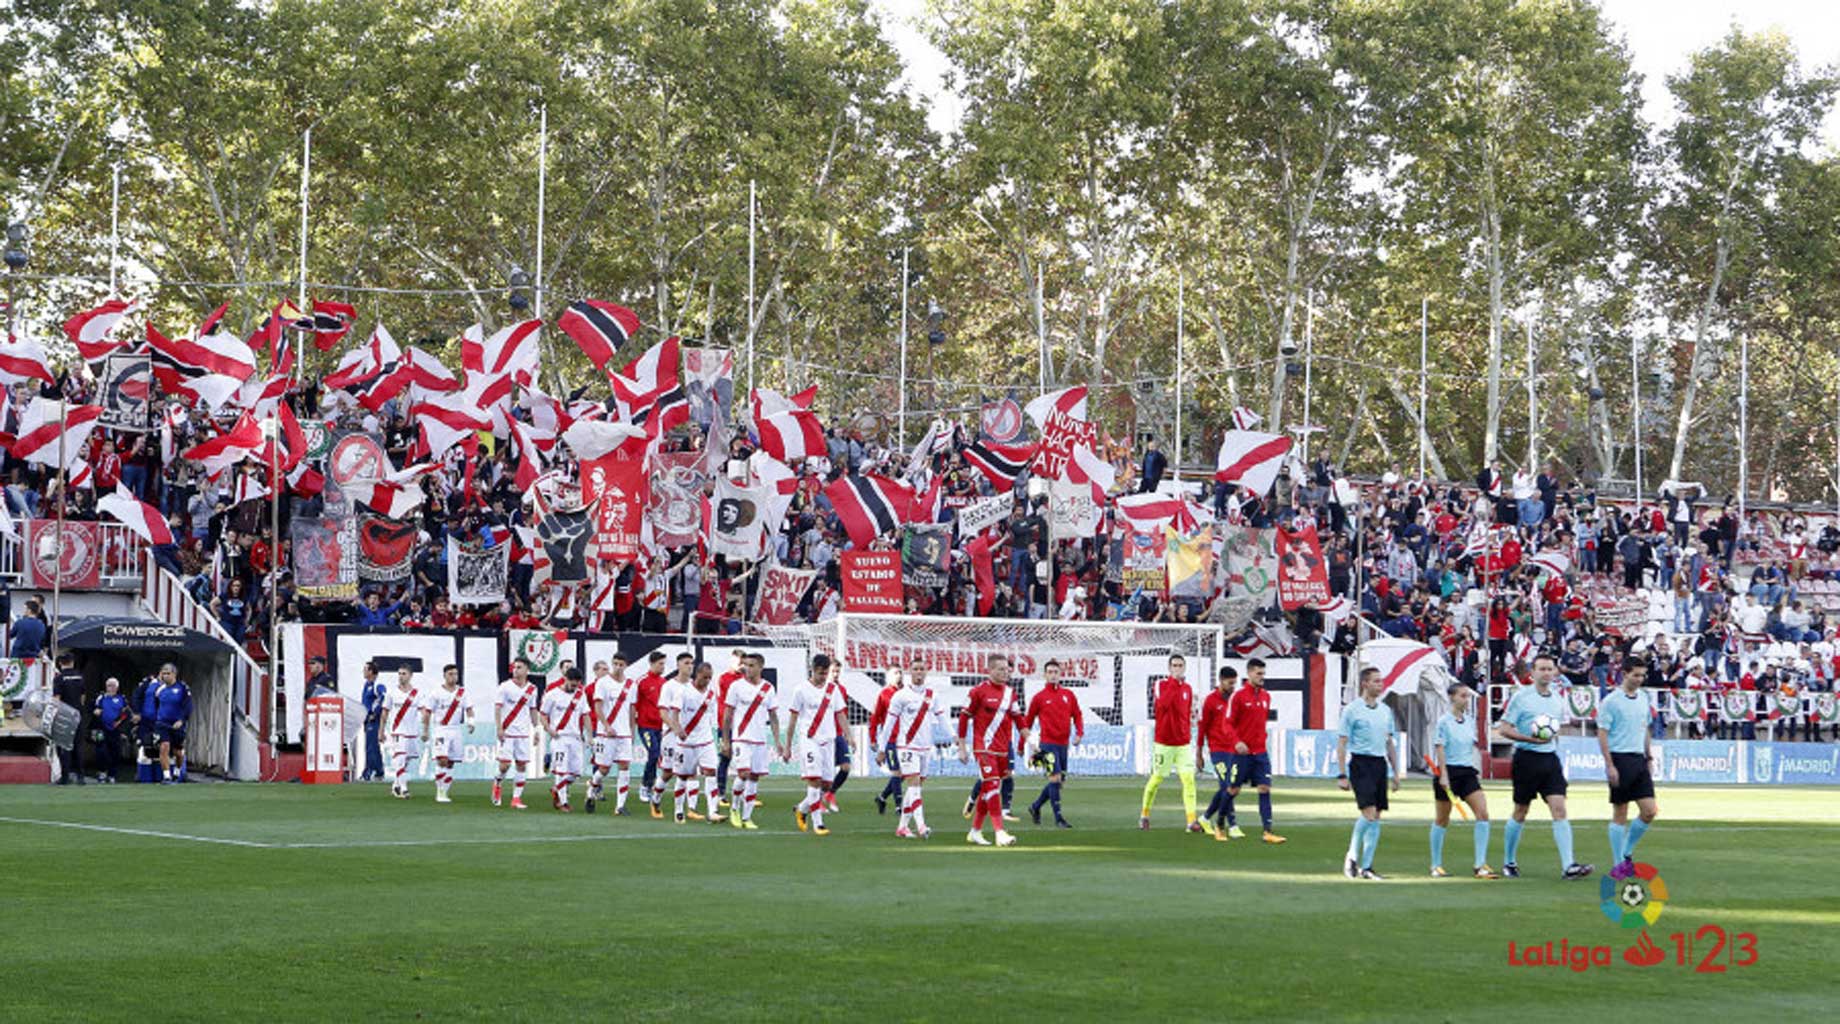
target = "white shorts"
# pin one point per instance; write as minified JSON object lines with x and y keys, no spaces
{"x":565,"y":757}
{"x":691,"y":759}
{"x":817,"y":759}
{"x":750,"y":757}
{"x":514,"y":748}
{"x":914,"y":760}
{"x":448,"y":743}
{"x":611,"y":750}
{"x":670,"y":753}
{"x":408,"y":746}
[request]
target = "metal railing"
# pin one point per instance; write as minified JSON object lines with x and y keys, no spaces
{"x":119,"y":554}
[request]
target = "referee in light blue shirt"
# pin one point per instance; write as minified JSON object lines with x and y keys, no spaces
{"x":1623,"y":736}
{"x":1364,"y":763}
{"x":1531,"y":721}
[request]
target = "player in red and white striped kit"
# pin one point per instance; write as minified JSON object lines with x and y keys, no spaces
{"x":514,"y":711}
{"x":448,"y":715}
{"x":816,"y":720}
{"x":993,"y":722}
{"x":610,"y":713}
{"x":916,"y":718}
{"x":750,"y":715}
{"x":408,"y":718}
{"x":690,"y":714}
{"x":565,"y":717}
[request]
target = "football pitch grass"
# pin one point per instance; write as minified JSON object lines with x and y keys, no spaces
{"x":289,"y":902}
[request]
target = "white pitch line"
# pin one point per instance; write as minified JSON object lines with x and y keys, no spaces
{"x":603,"y":837}
{"x":140,"y":832}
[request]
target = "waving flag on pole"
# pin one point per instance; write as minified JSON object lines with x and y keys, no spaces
{"x":1553,"y":561}
{"x":1251,"y":459}
{"x":767,"y":402}
{"x":272,"y":335}
{"x":93,"y":331}
{"x":599,"y":329}
{"x":870,"y":505}
{"x":21,"y":361}
{"x":426,"y":372}
{"x":1071,"y":401}
{"x":331,"y":322}
{"x":223,"y":354}
{"x":136,"y":515}
{"x":1088,"y":468}
{"x":792,"y":437}
{"x":1150,"y":512}
{"x":228,"y":448}
{"x":513,"y":351}
{"x":1245,"y":419}
{"x":44,"y":422}
{"x":1001,"y":464}
{"x":647,"y":377}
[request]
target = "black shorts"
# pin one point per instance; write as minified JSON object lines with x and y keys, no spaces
{"x":1056,"y":755}
{"x":1536,"y":773}
{"x":1367,"y":776}
{"x":1463,"y":781}
{"x":174,"y":735}
{"x":1634,"y":781}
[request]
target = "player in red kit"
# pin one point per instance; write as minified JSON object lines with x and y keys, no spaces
{"x":1173,"y":741}
{"x":1250,"y":711}
{"x":1056,"y":711}
{"x":650,"y":721}
{"x":1216,"y":731}
{"x":881,"y":740}
{"x":993,"y":723}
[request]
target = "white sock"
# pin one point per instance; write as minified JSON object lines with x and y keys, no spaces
{"x":517,"y":785}
{"x":919,"y":813}
{"x":709,"y":795}
{"x":399,"y":763}
{"x":677,"y":796}
{"x":594,"y":785}
{"x":812,"y":795}
{"x":747,"y":799}
{"x":620,"y":788}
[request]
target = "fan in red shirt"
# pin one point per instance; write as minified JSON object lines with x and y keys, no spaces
{"x":1175,"y":731}
{"x":884,"y":746}
{"x":1057,"y":711}
{"x":650,"y":722}
{"x":991,"y":719}
{"x":1216,"y":731}
{"x":1249,"y":710}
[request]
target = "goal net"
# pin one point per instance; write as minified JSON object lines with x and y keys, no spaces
{"x":1109,"y":666}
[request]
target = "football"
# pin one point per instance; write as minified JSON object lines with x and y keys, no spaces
{"x":1544,"y":727}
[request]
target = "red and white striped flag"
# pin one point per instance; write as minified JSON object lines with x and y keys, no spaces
{"x":1086,"y":467}
{"x":1553,"y":561}
{"x":426,"y":372}
{"x":93,"y":331}
{"x":21,"y":361}
{"x":644,"y":379}
{"x":1150,"y":512}
{"x":513,"y":351}
{"x":136,"y":515}
{"x":1245,"y":419}
{"x":764,"y":402}
{"x":1071,"y":401}
{"x":1251,"y":459}
{"x":40,"y":430}
{"x":1401,"y":662}
{"x":792,"y":437}
{"x":331,"y":322}
{"x":229,"y":448}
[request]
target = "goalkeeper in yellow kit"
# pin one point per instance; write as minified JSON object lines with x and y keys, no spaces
{"x":1174,"y":739}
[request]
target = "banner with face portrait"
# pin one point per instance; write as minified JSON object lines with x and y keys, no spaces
{"x":926,"y":554}
{"x":478,"y":577}
{"x":614,"y":486}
